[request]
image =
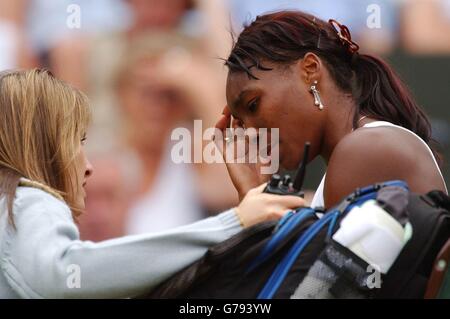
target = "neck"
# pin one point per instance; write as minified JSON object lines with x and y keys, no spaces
{"x":338,"y":124}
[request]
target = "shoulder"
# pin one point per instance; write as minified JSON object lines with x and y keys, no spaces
{"x":377,"y":142}
{"x":368,"y":156}
{"x":35,"y":200}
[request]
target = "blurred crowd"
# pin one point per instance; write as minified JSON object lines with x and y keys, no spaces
{"x":149,"y":66}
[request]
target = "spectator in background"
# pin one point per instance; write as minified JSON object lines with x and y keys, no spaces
{"x":205,"y":77}
{"x":151,"y":108}
{"x":65,"y":48}
{"x":426,"y":26}
{"x":103,"y":53}
{"x":353,"y":13}
{"x":14,"y":48}
{"x":161,"y":83}
{"x":110,"y":195}
{"x":60,"y":44}
{"x":160,"y":15}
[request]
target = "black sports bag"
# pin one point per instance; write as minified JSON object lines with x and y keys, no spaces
{"x":271,"y":259}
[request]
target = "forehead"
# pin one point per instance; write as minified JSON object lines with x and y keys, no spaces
{"x":239,"y":83}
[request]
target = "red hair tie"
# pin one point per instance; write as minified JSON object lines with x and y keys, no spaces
{"x":344,"y":35}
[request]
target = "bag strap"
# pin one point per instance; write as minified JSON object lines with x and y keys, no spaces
{"x":360,"y":195}
{"x":282,"y":232}
{"x":439,"y":199}
{"x":355,"y":199}
{"x":411,"y":267}
{"x":286,"y":263}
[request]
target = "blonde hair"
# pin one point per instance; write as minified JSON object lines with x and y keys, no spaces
{"x":42,"y":121}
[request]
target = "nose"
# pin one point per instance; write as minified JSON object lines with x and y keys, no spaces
{"x":89,"y":170}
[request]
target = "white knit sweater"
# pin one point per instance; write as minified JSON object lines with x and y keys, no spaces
{"x":45,"y":258}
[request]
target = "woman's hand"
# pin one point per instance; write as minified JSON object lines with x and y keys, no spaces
{"x":257,"y":207}
{"x":244,"y":176}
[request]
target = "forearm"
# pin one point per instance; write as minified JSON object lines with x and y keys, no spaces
{"x":118,"y":268}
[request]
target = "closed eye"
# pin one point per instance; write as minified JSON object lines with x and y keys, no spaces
{"x":253,"y":105}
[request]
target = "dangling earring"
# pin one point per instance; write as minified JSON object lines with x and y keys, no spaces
{"x":315,"y":92}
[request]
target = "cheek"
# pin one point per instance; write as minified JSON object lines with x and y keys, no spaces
{"x":282,"y":114}
{"x":293,"y":119}
{"x":81,"y":162}
{"x":80,"y":168}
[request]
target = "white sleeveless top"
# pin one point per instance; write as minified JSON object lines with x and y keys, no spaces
{"x":318,"y":199}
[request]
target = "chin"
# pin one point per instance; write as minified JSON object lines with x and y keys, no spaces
{"x":290,"y":166}
{"x":290,"y":163}
{"x":284,"y":163}
{"x":290,"y":159}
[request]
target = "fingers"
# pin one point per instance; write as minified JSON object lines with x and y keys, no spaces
{"x":284,"y":201}
{"x":280,"y":208}
{"x":258,"y":189}
{"x":223,"y":122}
{"x":236,"y":123}
{"x":220,"y":139}
{"x":291,"y":201}
{"x":283,"y":212}
{"x":226,"y":111}
{"x":257,"y":207}
{"x":226,"y":119}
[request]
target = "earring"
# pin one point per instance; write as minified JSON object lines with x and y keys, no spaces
{"x":315,"y":92}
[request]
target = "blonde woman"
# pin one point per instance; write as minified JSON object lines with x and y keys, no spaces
{"x":43,"y":171}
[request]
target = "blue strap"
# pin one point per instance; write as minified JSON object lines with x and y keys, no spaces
{"x":285,"y":265}
{"x":377,"y":187}
{"x":333,"y":225}
{"x":363,"y":194}
{"x":356,"y":199}
{"x":286,"y":226}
